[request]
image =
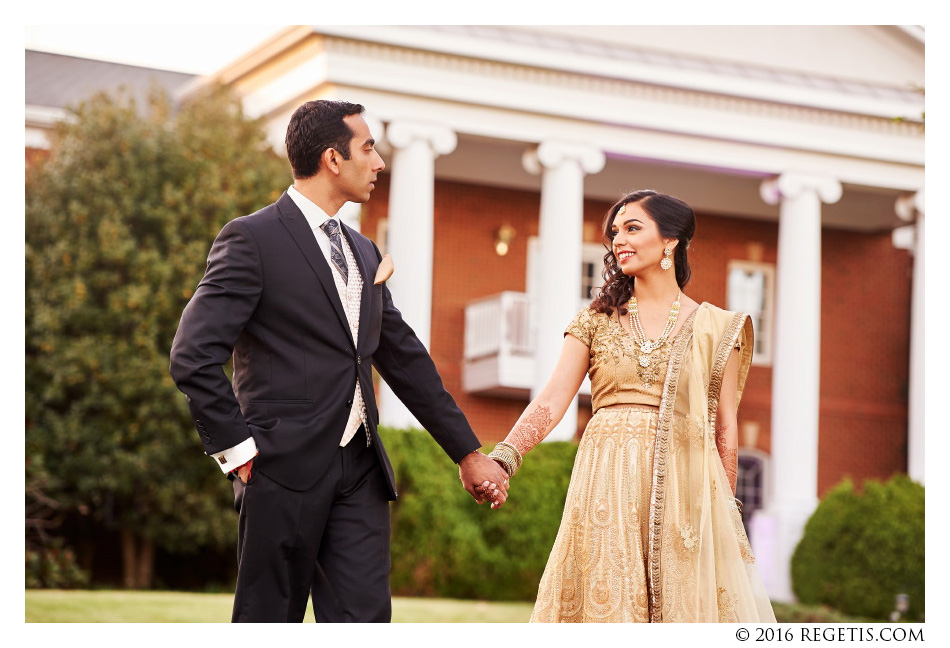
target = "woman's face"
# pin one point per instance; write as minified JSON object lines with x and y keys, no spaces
{"x":637,"y":243}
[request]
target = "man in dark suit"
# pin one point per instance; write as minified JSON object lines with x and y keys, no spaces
{"x":289,"y":291}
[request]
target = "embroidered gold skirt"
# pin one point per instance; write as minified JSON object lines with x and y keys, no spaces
{"x":597,"y":570}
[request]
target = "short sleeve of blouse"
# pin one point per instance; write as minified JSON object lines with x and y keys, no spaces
{"x":582,"y":326}
{"x":741,"y":340}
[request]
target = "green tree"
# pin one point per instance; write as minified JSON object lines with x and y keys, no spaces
{"x":119,"y":221}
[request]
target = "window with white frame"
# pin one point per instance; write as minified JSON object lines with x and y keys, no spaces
{"x":750,"y":288}
{"x":591,"y":270}
{"x":751,"y":482}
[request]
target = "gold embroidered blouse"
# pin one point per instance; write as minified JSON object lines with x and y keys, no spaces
{"x":616,"y":376}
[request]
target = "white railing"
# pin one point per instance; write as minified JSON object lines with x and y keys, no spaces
{"x":498,"y":325}
{"x":499,"y":347}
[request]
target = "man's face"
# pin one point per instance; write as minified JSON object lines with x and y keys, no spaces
{"x":358,"y":174}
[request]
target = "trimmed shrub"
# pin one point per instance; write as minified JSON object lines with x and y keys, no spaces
{"x":861,"y":549}
{"x":443,"y":544}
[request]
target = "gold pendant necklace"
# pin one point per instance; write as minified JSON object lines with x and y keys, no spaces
{"x":647,"y":347}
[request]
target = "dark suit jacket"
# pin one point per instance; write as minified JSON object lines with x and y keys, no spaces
{"x":268,"y":296}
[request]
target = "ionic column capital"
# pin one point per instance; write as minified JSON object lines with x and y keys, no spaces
{"x":793,"y":185}
{"x":440,"y":139}
{"x":909,"y":206}
{"x":552,"y":154}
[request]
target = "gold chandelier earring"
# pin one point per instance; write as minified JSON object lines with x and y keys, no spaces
{"x":667,"y":263}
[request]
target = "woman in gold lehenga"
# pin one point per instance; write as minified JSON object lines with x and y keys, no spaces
{"x":651,"y":531}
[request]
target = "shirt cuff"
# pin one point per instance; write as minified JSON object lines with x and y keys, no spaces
{"x":237,"y":456}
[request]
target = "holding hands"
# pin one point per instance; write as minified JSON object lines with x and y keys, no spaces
{"x":484,"y":479}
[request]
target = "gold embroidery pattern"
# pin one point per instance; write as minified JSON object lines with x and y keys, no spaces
{"x":690,"y":429}
{"x":690,"y":539}
{"x":727,"y":606}
{"x":657,"y":493}
{"x":597,"y":568}
{"x":583,"y":326}
{"x":745,"y":549}
{"x":729,"y":340}
{"x":614,"y":344}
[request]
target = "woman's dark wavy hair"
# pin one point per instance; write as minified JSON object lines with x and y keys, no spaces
{"x":674,"y":218}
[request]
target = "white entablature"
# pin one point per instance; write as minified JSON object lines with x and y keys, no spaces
{"x":624,"y":87}
{"x":499,"y":87}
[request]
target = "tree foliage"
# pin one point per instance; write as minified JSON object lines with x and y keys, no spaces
{"x":119,"y":221}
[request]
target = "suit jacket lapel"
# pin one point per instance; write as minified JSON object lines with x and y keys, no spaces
{"x":367,"y":281}
{"x":295,"y":222}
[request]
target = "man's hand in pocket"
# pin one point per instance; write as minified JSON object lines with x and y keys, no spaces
{"x":244,"y":472}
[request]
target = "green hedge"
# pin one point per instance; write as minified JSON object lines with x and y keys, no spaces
{"x":861,"y":549}
{"x":445,"y":545}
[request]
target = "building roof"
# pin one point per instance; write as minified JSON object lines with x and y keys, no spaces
{"x":58,"y":81}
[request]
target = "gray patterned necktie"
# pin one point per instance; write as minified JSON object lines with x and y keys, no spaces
{"x":332,"y":229}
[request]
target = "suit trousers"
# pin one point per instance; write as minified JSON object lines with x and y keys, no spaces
{"x":330,"y":541}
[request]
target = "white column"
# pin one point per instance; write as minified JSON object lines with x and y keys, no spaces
{"x":795,"y":371}
{"x":351,"y":213}
{"x":410,"y":238}
{"x":911,"y":209}
{"x":560,"y":241}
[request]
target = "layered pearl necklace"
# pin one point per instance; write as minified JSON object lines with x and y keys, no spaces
{"x":636,"y":330}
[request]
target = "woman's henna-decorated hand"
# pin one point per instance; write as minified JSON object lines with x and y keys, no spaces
{"x":729,"y":456}
{"x":531,"y":430}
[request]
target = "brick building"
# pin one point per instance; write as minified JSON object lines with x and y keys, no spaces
{"x":506,"y":145}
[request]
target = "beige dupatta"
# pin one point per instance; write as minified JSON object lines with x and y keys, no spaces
{"x":700,"y":564}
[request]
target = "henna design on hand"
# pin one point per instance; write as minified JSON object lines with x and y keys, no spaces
{"x":730,"y":462}
{"x":531,"y":430}
{"x":729,"y":456}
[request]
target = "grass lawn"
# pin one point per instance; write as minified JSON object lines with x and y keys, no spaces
{"x":114,"y":606}
{"x":110,"y":606}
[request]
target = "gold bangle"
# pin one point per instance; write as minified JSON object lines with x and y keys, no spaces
{"x":514,"y":451}
{"x":509,"y":456}
{"x":508,"y":468}
{"x":505,"y":460}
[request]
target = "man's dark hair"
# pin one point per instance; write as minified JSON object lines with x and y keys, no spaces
{"x":315,"y":127}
